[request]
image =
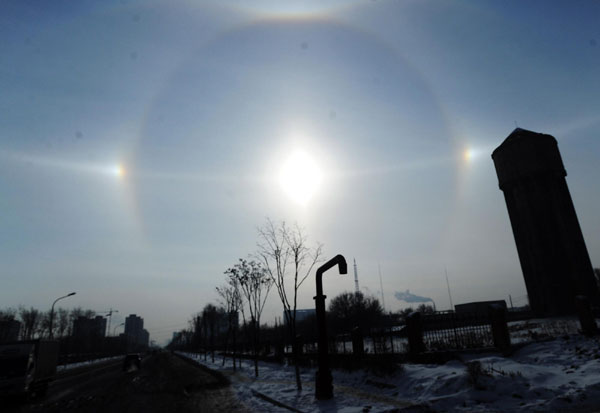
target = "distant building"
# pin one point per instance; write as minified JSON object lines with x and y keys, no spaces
{"x":176,"y":335}
{"x":480,"y":307}
{"x":135,"y":333}
{"x":144,"y":338}
{"x":302,"y":314}
{"x":89,"y":328}
{"x":9,"y":330}
{"x":554,"y":259}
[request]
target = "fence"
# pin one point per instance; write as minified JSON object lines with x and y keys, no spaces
{"x":444,"y":331}
{"x":457,"y":331}
{"x":438,"y":335}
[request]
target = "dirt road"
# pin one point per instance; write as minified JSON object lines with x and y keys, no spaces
{"x":164,"y":383}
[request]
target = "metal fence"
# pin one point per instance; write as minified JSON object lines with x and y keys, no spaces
{"x":442,"y":331}
{"x":456,"y":331}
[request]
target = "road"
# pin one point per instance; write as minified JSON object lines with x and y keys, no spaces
{"x":164,"y":383}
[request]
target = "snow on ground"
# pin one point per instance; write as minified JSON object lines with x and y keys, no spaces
{"x":63,"y":367}
{"x":539,"y":328}
{"x":561,"y":374}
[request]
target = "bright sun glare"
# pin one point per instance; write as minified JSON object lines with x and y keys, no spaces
{"x":300,"y":177}
{"x":118,"y":171}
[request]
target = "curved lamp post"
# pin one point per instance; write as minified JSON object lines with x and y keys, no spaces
{"x":324,"y":381}
{"x":52,"y":311}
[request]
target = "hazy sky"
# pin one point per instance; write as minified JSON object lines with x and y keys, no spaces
{"x":142,"y":143}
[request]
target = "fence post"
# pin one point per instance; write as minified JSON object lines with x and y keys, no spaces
{"x":280,"y":348}
{"x":414,"y":327}
{"x":358,"y":345}
{"x":500,"y":332}
{"x":299,"y":346}
{"x":374,"y":340}
{"x":586,"y":316}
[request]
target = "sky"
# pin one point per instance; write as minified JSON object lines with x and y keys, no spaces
{"x":143,"y":142}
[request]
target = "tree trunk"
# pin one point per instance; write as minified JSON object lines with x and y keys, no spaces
{"x":295,"y":351}
{"x":297,"y":369}
{"x":234,"y":349}
{"x":226,"y":343}
{"x":256,"y":348}
{"x":212,"y":343}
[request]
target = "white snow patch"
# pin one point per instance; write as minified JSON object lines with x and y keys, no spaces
{"x":561,"y":374}
{"x":63,"y":367}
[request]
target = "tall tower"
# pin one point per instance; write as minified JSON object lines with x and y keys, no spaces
{"x":357,"y":290}
{"x":554,"y":259}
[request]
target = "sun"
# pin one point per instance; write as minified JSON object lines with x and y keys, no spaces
{"x":300,"y":177}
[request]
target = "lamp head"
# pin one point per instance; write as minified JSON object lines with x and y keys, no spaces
{"x":343,"y":266}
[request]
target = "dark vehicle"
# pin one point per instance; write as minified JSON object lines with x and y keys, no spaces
{"x":132,"y":361}
{"x":26,"y":367}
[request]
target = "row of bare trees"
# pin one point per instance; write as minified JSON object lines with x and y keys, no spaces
{"x":284,"y":259}
{"x":246,"y":289}
{"x":288,"y":258}
{"x":36,"y":323}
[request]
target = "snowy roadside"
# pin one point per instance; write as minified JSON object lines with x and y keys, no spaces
{"x":64,"y":367}
{"x":558,"y":375}
{"x":278,"y":382}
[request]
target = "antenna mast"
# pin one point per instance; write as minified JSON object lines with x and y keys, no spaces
{"x":381,"y":286}
{"x":448,"y":284}
{"x":357,"y":290}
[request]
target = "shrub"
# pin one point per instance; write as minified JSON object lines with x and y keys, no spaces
{"x":474,"y":373}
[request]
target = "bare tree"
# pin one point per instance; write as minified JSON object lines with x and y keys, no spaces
{"x":255,"y":284}
{"x":30,"y":319}
{"x":8,"y":314}
{"x":7,"y":317}
{"x":289,"y":259}
{"x":232,"y":301}
{"x":195,"y":326}
{"x":210,"y":315}
{"x":62,"y":322}
{"x":44,"y":324}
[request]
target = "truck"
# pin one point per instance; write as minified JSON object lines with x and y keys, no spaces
{"x":27,"y":367}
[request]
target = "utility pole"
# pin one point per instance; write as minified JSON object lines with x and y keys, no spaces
{"x":50,"y":333}
{"x":510,"y":299}
{"x":448,"y":284}
{"x":381,"y":287}
{"x":356,"y":289}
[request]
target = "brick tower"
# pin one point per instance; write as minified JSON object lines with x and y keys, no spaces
{"x":554,"y":259}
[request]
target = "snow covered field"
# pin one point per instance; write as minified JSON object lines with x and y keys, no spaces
{"x":561,"y":374}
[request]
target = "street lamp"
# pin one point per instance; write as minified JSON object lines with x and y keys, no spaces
{"x":323,"y":382}
{"x":52,"y":311}
{"x":115,"y":329}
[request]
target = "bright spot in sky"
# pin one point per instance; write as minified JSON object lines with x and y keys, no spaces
{"x":300,"y":177}
{"x":118,"y":171}
{"x":472,"y":154}
{"x":468,"y":154}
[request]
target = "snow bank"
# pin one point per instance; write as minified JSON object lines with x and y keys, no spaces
{"x":63,"y":367}
{"x":558,"y":375}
